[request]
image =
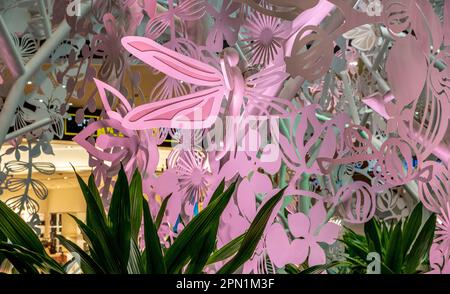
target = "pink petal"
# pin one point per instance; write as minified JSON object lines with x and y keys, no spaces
{"x":406,"y":68}
{"x":299,"y":224}
{"x":316,"y":255}
{"x":328,"y":233}
{"x":246,"y":199}
{"x":298,"y":252}
{"x":166,"y":183}
{"x":317,"y":216}
{"x":261,"y":183}
{"x":277,"y":244}
{"x":173,"y":208}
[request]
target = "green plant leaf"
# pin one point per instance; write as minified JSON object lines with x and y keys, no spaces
{"x":155,"y":263}
{"x":411,"y":228}
{"x":356,"y":249}
{"x":100,"y":248}
{"x":135,"y":264}
{"x":227,"y":250}
{"x":87,"y":264}
{"x":15,"y":229}
{"x":119,"y":217}
{"x":205,"y":244}
{"x":253,"y":235}
{"x":161,"y":211}
{"x":2,"y":237}
{"x":178,"y":254}
{"x":96,"y":196}
{"x":2,"y":258}
{"x":291,"y":269}
{"x":219,"y":191}
{"x":373,"y":234}
{"x":385,"y":235}
{"x":24,"y":260}
{"x":98,"y":222}
{"x":421,"y":245}
{"x":21,"y":262}
{"x":136,"y":198}
{"x":318,"y":269}
{"x":202,"y":249}
{"x":394,"y":254}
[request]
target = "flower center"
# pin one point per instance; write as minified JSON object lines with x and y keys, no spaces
{"x":197,"y":177}
{"x":266,"y":36}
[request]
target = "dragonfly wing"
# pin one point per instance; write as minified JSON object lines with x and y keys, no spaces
{"x":194,"y":111}
{"x":171,"y":63}
{"x":102,"y":88}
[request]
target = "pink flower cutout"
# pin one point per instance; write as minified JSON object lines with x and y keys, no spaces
{"x":265,"y":36}
{"x":108,"y":46}
{"x":226,"y":26}
{"x":439,"y":260}
{"x":398,"y":119}
{"x":443,"y":227}
{"x":308,"y":232}
{"x":239,"y":214}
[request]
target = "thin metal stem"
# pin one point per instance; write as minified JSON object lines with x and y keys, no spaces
{"x":45,"y":19}
{"x":28,"y":128}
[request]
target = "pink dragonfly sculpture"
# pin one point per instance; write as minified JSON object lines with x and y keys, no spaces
{"x":200,"y":109}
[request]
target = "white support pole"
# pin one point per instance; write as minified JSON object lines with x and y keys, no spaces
{"x":348,"y":94}
{"x":16,"y":95}
{"x":13,"y":59}
{"x":45,"y":19}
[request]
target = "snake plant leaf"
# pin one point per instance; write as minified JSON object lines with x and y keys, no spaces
{"x":356,"y":249}
{"x":16,"y":230}
{"x":135,"y":262}
{"x":28,"y":261}
{"x":411,"y":228}
{"x":21,"y":262}
{"x":96,"y":195}
{"x":154,"y":260}
{"x":2,"y":239}
{"x":291,"y":269}
{"x":178,"y":254}
{"x":421,"y":245}
{"x":99,"y":247}
{"x":253,"y":235}
{"x":205,"y":244}
{"x":394,"y":252}
{"x":318,"y":269}
{"x":120,"y":219}
{"x":219,"y":191}
{"x":88,"y":264}
{"x":161,"y":211}
{"x":202,"y":249}
{"x":372,"y":231}
{"x":227,"y":250}
{"x":136,"y":198}
{"x":94,"y":212}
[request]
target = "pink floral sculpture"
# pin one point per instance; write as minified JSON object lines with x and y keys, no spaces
{"x":439,"y":260}
{"x":265,"y":36}
{"x":307,"y":233}
{"x":359,"y":101}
